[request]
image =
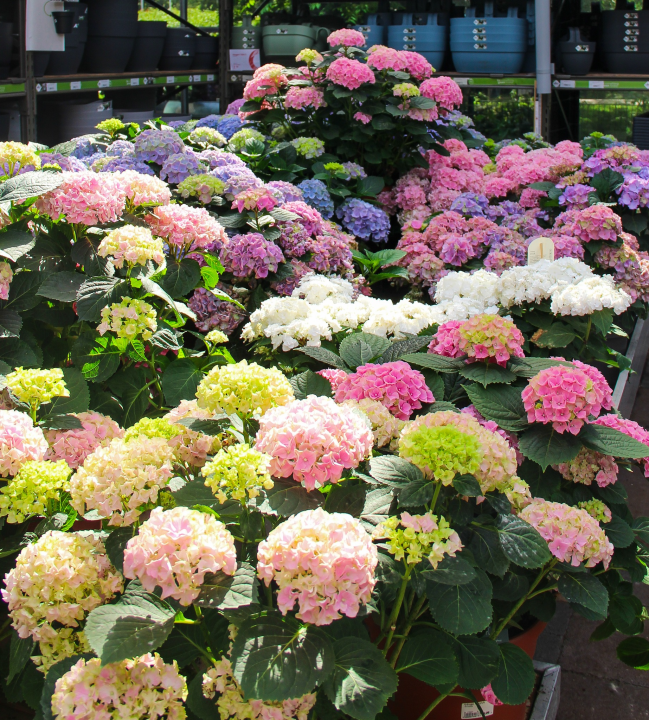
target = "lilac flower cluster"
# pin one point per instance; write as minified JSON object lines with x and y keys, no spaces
{"x":576,"y":196}
{"x":251,"y":256}
{"x":68,"y":164}
{"x":364,"y":220}
{"x":285,"y":191}
{"x":215,"y":314}
{"x":317,"y":196}
{"x":237,"y":178}
{"x":470,"y":204}
{"x":120,"y":148}
{"x":126,"y":162}
{"x":157,"y":145}
{"x":180,"y":166}
{"x":84,"y":147}
{"x":218,"y":158}
{"x":634,"y":191}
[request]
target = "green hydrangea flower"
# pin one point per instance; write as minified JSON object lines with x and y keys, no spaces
{"x":238,"y":140}
{"x":111,"y":126}
{"x":34,"y":387}
{"x":238,"y":472}
{"x":152,"y":428}
{"x":203,"y":187}
{"x":37,"y":484}
{"x":597,"y":509}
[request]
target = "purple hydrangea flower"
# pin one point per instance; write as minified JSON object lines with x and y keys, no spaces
{"x":355,"y":170}
{"x":237,"y":178}
{"x":364,"y":220}
{"x":575,"y":196}
{"x":214,"y":314}
{"x":470,"y":204}
{"x":229,"y":125}
{"x":157,"y":145}
{"x":69,"y":164}
{"x":120,"y":148}
{"x":84,"y":147}
{"x":234,"y":107}
{"x":210,"y":121}
{"x":285,"y":191}
{"x":88,"y":160}
{"x":251,"y":255}
{"x":317,"y":196}
{"x":119,"y":164}
{"x":175,"y":124}
{"x":219,"y":158}
{"x":456,"y":250}
{"x":634,"y":191}
{"x":180,"y":166}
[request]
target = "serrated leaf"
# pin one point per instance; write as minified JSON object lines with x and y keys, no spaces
{"x":487,"y":373}
{"x":20,"y":650}
{"x":394,"y":471}
{"x":377,"y":507}
{"x":195,"y":492}
{"x":15,"y":242}
{"x":398,"y":349}
{"x":29,"y":185}
{"x":545,"y":446}
{"x":181,"y":277}
{"x":324,"y":356}
{"x":434,"y":362}
{"x":612,"y":442}
{"x":61,"y":422}
{"x":23,"y":291}
{"x":515,"y":679}
{"x":180,"y":381}
{"x":416,"y":493}
{"x":310,"y":383}
{"x":428,"y":657}
{"x":229,"y":591}
{"x":584,"y":589}
{"x":485,"y":546}
{"x":288,"y":497}
{"x":619,"y":532}
{"x":115,"y":545}
{"x":97,"y":357}
{"x":361,"y":348}
{"x":345,"y":498}
{"x":502,"y":405}
{"x":11,"y":324}
{"x":183,"y":645}
{"x":461,"y":609}
{"x":625,"y":614}
{"x":467,"y":485}
{"x":96,"y":293}
{"x":62,"y":286}
{"x":79,"y":398}
{"x":207,"y":427}
{"x":166,"y":339}
{"x":521,"y":542}
{"x":451,"y":571}
{"x":529,"y":367}
{"x":478,"y":658}
{"x":558,"y":335}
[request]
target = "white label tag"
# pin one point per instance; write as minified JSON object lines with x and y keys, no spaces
{"x":103,"y":83}
{"x":75,"y":85}
{"x":567,"y":83}
{"x":596,"y":84}
{"x":462,"y":81}
{"x":541,"y":248}
{"x":135,"y":81}
{"x":170,"y":78}
{"x":470,"y":711}
{"x":210,"y":78}
{"x":51,"y":87}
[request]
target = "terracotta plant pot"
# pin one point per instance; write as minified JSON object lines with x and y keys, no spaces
{"x":414,"y":696}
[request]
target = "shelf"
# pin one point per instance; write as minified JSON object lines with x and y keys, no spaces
{"x":15,"y":88}
{"x":80,"y":83}
{"x":494,"y":80}
{"x":601,"y":81}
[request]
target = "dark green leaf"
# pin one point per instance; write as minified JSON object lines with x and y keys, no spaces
{"x":478,"y":659}
{"x":529,"y":367}
{"x":17,"y":353}
{"x":499,"y":502}
{"x":20,"y":650}
{"x":486,"y":547}
{"x":416,"y":493}
{"x":376,"y":508}
{"x":324,"y":356}
{"x":515,"y":679}
{"x":97,"y":357}
{"x":207,"y":427}
{"x":634,"y":651}
{"x":511,"y":587}
{"x":612,"y":442}
{"x":310,"y":383}
{"x":434,"y":362}
{"x":451,"y":571}
{"x":62,"y":286}
{"x":10,"y":324}
{"x":394,"y":471}
{"x":61,"y":422}
{"x":602,"y":320}
{"x":14,"y":243}
{"x":487,"y":373}
{"x":545,"y":446}
{"x":558,"y":335}
{"x":584,"y":589}
{"x":23,"y":291}
{"x":348,"y":499}
{"x":180,"y":381}
{"x":625,"y":613}
{"x":181,"y":277}
{"x":96,"y":293}
{"x":603,"y":631}
{"x":288,"y":497}
{"x":229,"y":591}
{"x":166,"y":339}
{"x":361,"y":348}
{"x":79,"y":398}
{"x":502,"y":405}
{"x":641,"y":530}
{"x":467,"y":485}
{"x":183,"y":645}
{"x":428,"y":657}
{"x":403,"y":347}
{"x":115,"y":545}
{"x":370,"y":185}
{"x":522,"y":543}
{"x":619,"y":532}
{"x":461,"y":609}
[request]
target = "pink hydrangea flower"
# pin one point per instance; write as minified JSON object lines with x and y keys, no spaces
{"x":442,"y":90}
{"x":74,"y":446}
{"x":630,"y":428}
{"x":187,"y":228}
{"x":602,"y":387}
{"x":19,"y":441}
{"x":416,"y":65}
{"x":573,"y":536}
{"x":266,"y":80}
{"x":564,"y":396}
{"x":255,"y":199}
{"x":323,"y":561}
{"x":335,"y":377}
{"x":488,"y":695}
{"x":251,"y":255}
{"x":457,"y":250}
{"x":446,"y":340}
{"x":143,"y":189}
{"x":346,"y":38}
{"x":396,"y":385}
{"x":87,"y":197}
{"x":567,"y":246}
{"x":590,"y":465}
{"x":531,"y":198}
{"x":314,"y":440}
{"x":299,"y":98}
{"x":6,"y":275}
{"x":174,"y":549}
{"x":350,"y":73}
{"x":362,"y":118}
{"x":381,"y":57}
{"x":597,"y":222}
{"x":498,"y":187}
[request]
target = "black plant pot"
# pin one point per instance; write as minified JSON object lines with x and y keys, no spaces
{"x":207,"y":53}
{"x":148,"y":46}
{"x":112,"y":29}
{"x":107,"y":54}
{"x":68,"y":61}
{"x":179,"y":49}
{"x":576,"y":54}
{"x":63,"y":21}
{"x":6,"y":42}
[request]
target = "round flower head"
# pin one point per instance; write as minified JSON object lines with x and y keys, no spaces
{"x":35,"y":387}
{"x":216,"y":337}
{"x":16,"y":158}
{"x":314,"y":440}
{"x":385,"y":426}
{"x":202,"y":187}
{"x":349,"y":73}
{"x":444,"y":91}
{"x":323,"y":561}
{"x":300,"y":98}
{"x":174,"y":549}
{"x":346,"y":38}
{"x":130,"y":319}
{"x":416,"y":65}
{"x":564,"y":396}
{"x":6,"y":275}
{"x":58,"y":579}
{"x":143,"y":190}
{"x":206,"y":137}
{"x":362,"y":118}
{"x":132,"y":245}
{"x":364,"y":220}
{"x":19,"y":441}
{"x":309,"y":148}
{"x":75,"y":445}
{"x":231,"y":703}
{"x":597,"y":222}
{"x":86,"y":197}
{"x":395,"y":385}
{"x":317,"y":196}
{"x":66,"y":643}
{"x":597,"y":509}
{"x":251,"y":256}
{"x":238,"y":472}
{"x":415,"y":537}
{"x":214,"y":313}
{"x":157,"y":145}
{"x":187,"y":229}
{"x":590,"y":465}
{"x":243,"y":389}
{"x":335,"y":377}
{"x":630,"y":428}
{"x":37,"y":485}
{"x":255,"y":199}
{"x":239,"y":139}
{"x":122,"y":478}
{"x":573,"y":536}
{"x":145,"y":688}
{"x":308,"y":56}
{"x":381,"y":57}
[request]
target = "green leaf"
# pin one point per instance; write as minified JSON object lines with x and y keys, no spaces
{"x":603,"y":631}
{"x":634,"y":651}
{"x":61,"y":422}
{"x":115,"y":545}
{"x":515,"y":680}
{"x":23,"y":290}
{"x":277,"y":658}
{"x":79,"y":399}
{"x":485,"y":546}
{"x":434,"y":362}
{"x":641,"y":529}
{"x":324,"y":356}
{"x":97,"y":357}
{"x":180,"y":381}
{"x":345,"y":498}
{"x":310,"y":383}
{"x":619,"y":532}
{"x":521,"y":542}
{"x":478,"y":658}
{"x":487,"y":373}
{"x":605,"y":182}
{"x":11,"y":323}
{"x":207,"y":427}
{"x":195,"y":492}
{"x":376,"y":508}
{"x":17,"y":353}
{"x":451,"y":571}
{"x":20,"y":650}
{"x":361,"y":348}
{"x":544,"y":186}
{"x":502,"y":405}
{"x":429,"y":658}
{"x":166,"y":339}
{"x":134,"y":626}
{"x":32,"y":682}
{"x":181,"y":277}
{"x":183,"y":645}
{"x":96,"y":293}
{"x":612,"y":442}
{"x":229,"y":591}
{"x":370,"y":185}
{"x":529,"y":367}
{"x":362,"y":681}
{"x":511,"y":587}
{"x":14,"y":243}
{"x":602,"y":320}
{"x":461,"y":609}
{"x":584,"y":589}
{"x":416,"y":493}
{"x":288,"y":497}
{"x":56,"y":672}
{"x":625,"y":613}
{"x":29,"y":185}
{"x":545,"y":446}
{"x":394,"y":471}
{"x":467,"y":485}
{"x":558,"y":335}
{"x":62,"y":286}
{"x":403,"y":347}
{"x":198,"y":705}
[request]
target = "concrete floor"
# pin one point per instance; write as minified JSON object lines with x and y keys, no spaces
{"x":594,"y":683}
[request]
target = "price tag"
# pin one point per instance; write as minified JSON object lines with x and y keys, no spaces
{"x":195,"y":78}
{"x":171,"y":78}
{"x":210,"y":78}
{"x":566,"y":83}
{"x":135,"y":81}
{"x":51,"y":87}
{"x":470,"y":711}
{"x":541,"y":248}
{"x":75,"y":85}
{"x":103,"y":83}
{"x":462,"y":81}
{"x":596,"y":84}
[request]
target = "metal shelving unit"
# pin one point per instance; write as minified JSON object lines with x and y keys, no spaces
{"x":12,"y":88}
{"x":82,"y":83}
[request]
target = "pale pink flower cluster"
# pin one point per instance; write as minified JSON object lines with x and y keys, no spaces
{"x":346,"y":38}
{"x":350,"y":73}
{"x":314,"y":440}
{"x":335,"y":377}
{"x":74,"y":446}
{"x":143,"y":189}
{"x":145,"y":688}
{"x":381,"y":57}
{"x":363,"y":118}
{"x":58,"y":579}
{"x":545,"y":164}
{"x":299,"y":98}
{"x":132,"y":245}
{"x":416,"y":65}
{"x":191,"y":447}
{"x":19,"y":441}
{"x":564,"y":396}
{"x":266,"y":80}
{"x":443,"y":90}
{"x":6,"y":275}
{"x":630,"y":428}
{"x":187,"y":228}
{"x":120,"y":478}
{"x":573,"y":536}
{"x":174,"y":549}
{"x":231,"y":703}
{"x":481,"y":337}
{"x":255,"y":199}
{"x":397,"y":386}
{"x":590,"y":465}
{"x":323,"y":561}
{"x":385,"y":426}
{"x":86,"y":197}
{"x":597,"y":222}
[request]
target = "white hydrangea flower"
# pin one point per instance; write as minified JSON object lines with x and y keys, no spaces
{"x":479,"y":286}
{"x":316,"y":289}
{"x":590,"y":295}
{"x":533,"y":283}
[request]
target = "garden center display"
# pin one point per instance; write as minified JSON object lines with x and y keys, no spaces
{"x":293,"y":425}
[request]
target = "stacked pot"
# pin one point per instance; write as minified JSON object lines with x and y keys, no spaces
{"x":424,"y":33}
{"x":112,"y":29}
{"x":625,"y":41}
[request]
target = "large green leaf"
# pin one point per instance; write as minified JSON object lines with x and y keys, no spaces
{"x":428,"y":657}
{"x":310,"y":383}
{"x":361,"y":348}
{"x":558,"y":335}
{"x":17,"y":353}
{"x":467,"y":485}
{"x":183,"y":645}
{"x":503,"y":405}
{"x":545,"y":446}
{"x":181,"y":277}
{"x":62,"y":286}
{"x":584,"y":589}
{"x":485,"y":546}
{"x":634,"y":651}
{"x":521,"y":542}
{"x":398,"y":349}
{"x":416,"y":493}
{"x":487,"y":373}
{"x":345,"y":498}
{"x":15,"y":242}
{"x":229,"y":591}
{"x":625,"y":613}
{"x":278,"y":658}
{"x":29,"y":185}
{"x":434,"y":362}
{"x":376,"y":508}
{"x":641,"y":530}
{"x":97,"y":357}
{"x":23,"y":291}
{"x":324,"y":356}
{"x":515,"y":679}
{"x":361,"y":681}
{"x":180,"y":381}
{"x":461,"y":609}
{"x":96,"y":293}
{"x":451,"y":571}
{"x":288,"y":497}
{"x":612,"y":442}
{"x":11,"y":323}
{"x":394,"y":471}
{"x":478,"y":658}
{"x":115,"y":545}
{"x":195,"y":492}
{"x":130,"y":384}
{"x":79,"y":398}
{"x":619,"y":532}
{"x":20,"y":650}
{"x":529,"y":367}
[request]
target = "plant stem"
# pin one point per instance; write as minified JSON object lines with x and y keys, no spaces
{"x":409,"y":623}
{"x":433,"y":502}
{"x":392,"y":620}
{"x":433,"y":705}
{"x":587,"y":335}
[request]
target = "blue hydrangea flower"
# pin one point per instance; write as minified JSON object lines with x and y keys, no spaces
{"x":228,"y":125}
{"x":120,"y":164}
{"x":470,"y":204}
{"x":69,"y":164}
{"x":88,"y":160}
{"x":364,"y":220}
{"x":120,"y":148}
{"x":85,"y":147}
{"x":157,"y":145}
{"x":237,"y":178}
{"x":354,"y":170}
{"x":317,"y":196}
{"x":210,"y":121}
{"x":174,"y":124}
{"x":220,"y":158}
{"x":180,"y":166}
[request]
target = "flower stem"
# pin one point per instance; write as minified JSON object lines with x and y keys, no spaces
{"x":409,"y":623}
{"x":433,"y":705}
{"x":433,"y":502}
{"x":392,"y":620}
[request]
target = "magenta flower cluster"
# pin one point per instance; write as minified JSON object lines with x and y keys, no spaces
{"x":251,"y":256}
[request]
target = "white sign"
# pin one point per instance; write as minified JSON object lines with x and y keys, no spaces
{"x":40,"y":33}
{"x":103,"y":83}
{"x":541,"y":248}
{"x":51,"y":87}
{"x":135,"y":81}
{"x":596,"y":84}
{"x":567,"y":83}
{"x":244,"y":60}
{"x":75,"y":85}
{"x":470,"y":711}
{"x":170,"y":78}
